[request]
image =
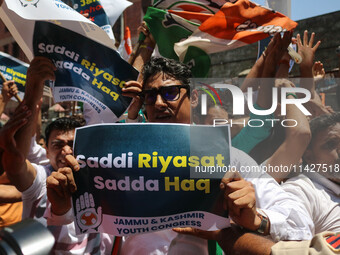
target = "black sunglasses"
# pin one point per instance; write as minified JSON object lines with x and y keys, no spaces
{"x":168,"y":93}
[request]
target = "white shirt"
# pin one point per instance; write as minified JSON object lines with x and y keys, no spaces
{"x":37,"y":154}
{"x":34,"y":198}
{"x":320,"y":196}
{"x":289,"y":219}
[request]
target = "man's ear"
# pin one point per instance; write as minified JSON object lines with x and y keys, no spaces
{"x":308,"y":156}
{"x":194,"y":99}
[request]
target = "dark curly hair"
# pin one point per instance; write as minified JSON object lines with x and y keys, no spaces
{"x":62,"y":124}
{"x":323,"y":122}
{"x":170,"y":67}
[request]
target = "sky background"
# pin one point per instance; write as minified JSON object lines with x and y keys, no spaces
{"x":302,"y":9}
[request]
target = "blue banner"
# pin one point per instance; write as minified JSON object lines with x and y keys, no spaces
{"x":13,"y":69}
{"x":96,"y":14}
{"x":86,"y":70}
{"x":138,"y":178}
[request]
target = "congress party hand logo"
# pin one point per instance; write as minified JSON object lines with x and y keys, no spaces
{"x":88,"y":217}
{"x":24,"y":3}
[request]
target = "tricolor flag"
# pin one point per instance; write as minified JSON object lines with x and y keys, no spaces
{"x":167,"y":29}
{"x":171,"y":21}
{"x":125,"y":47}
{"x":236,"y":24}
{"x":199,"y":6}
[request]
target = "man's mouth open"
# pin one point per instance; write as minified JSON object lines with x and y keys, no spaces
{"x":163,"y":117}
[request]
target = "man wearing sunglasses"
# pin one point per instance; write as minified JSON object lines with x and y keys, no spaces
{"x":166,"y":93}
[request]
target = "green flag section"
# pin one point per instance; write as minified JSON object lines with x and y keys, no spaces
{"x":201,"y":6}
{"x":168,"y":29}
{"x":198,"y":60}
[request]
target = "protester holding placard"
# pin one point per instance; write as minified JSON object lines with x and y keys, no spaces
{"x":160,"y":74}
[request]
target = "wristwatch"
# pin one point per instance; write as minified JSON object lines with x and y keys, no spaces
{"x":264,"y":223}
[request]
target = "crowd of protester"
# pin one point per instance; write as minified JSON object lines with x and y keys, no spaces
{"x":289,"y":211}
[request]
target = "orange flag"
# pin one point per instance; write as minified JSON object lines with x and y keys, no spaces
{"x":234,"y":25}
{"x":125,"y":47}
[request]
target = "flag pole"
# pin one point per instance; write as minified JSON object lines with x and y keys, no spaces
{"x":137,"y":46}
{"x":4,"y":80}
{"x":135,"y":50}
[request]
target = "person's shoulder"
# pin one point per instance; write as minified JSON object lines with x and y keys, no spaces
{"x":237,"y":155}
{"x":245,"y":164}
{"x":42,"y":170}
{"x":302,"y":187}
{"x":300,"y":180}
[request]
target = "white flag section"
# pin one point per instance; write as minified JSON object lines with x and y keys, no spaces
{"x":88,"y":67}
{"x":125,"y":47}
{"x":283,"y":6}
{"x":104,"y":13}
{"x":114,"y":8}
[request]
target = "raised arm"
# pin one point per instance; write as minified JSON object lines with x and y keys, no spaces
{"x":307,"y":51}
{"x":256,"y":72}
{"x":275,"y":51}
{"x":19,"y":171}
{"x":249,"y":137}
{"x":144,"y":49}
{"x":252,"y":79}
{"x":296,"y":138}
{"x":138,"y":59}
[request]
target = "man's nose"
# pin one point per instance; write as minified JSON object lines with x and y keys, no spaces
{"x":160,"y":103}
{"x":67,"y":150}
